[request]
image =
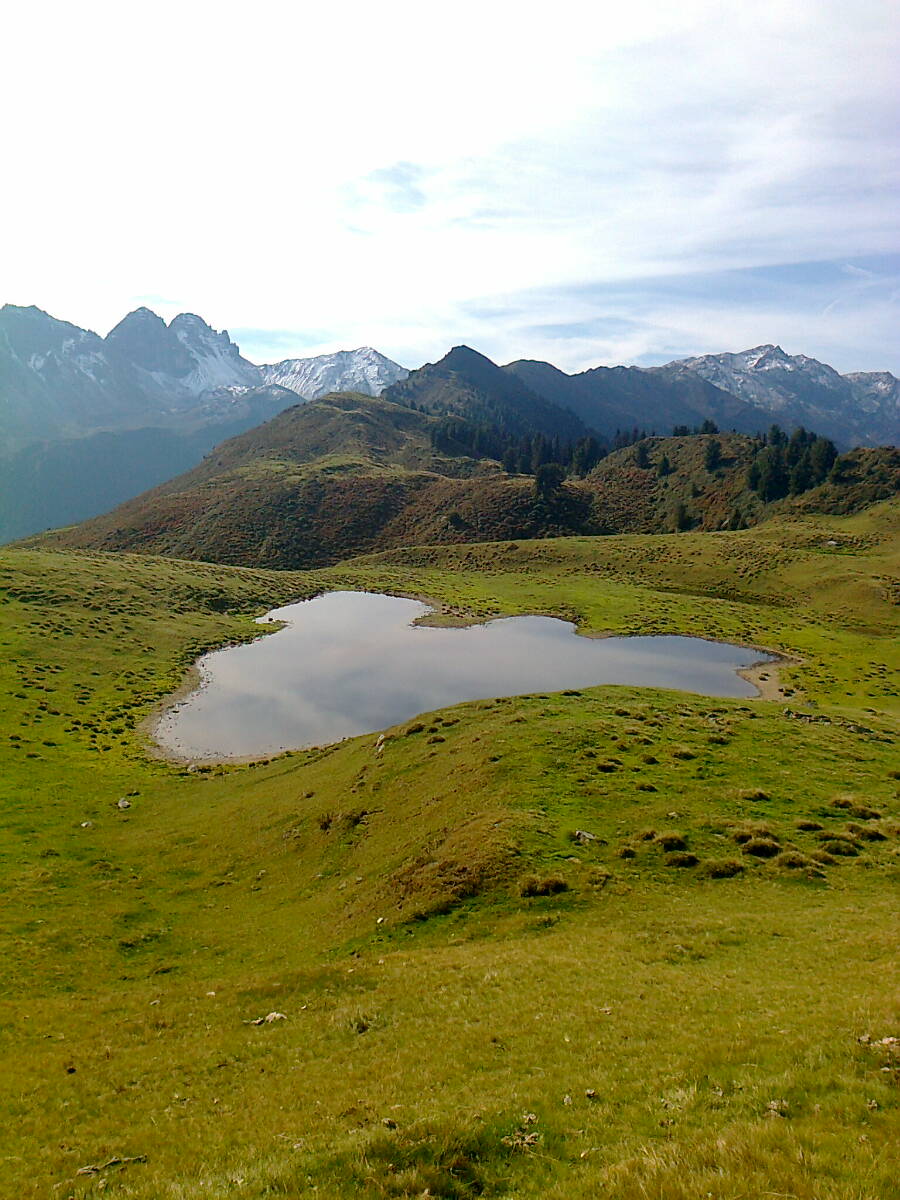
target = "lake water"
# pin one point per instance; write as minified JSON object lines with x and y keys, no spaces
{"x":352,"y":662}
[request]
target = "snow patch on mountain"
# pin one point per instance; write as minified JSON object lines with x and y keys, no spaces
{"x":217,"y":360}
{"x":861,"y":408}
{"x":363,"y":370}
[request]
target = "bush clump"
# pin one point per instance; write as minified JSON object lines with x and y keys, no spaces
{"x":843,"y":847}
{"x":761,"y":847}
{"x":866,"y":833}
{"x":548,"y":885}
{"x":808,"y":826}
{"x":747,"y":833}
{"x":862,"y":812}
{"x":823,"y":858}
{"x":681,"y":859}
{"x":721,"y":868}
{"x":793,"y":860}
{"x":671,"y":841}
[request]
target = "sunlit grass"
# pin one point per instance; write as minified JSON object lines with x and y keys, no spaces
{"x":656,"y":1029}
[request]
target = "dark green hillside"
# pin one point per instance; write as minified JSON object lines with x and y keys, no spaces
{"x":858,"y":479}
{"x":664,"y":484}
{"x":465,"y":383}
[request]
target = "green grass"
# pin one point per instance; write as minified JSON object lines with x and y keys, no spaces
{"x":656,"y":1029}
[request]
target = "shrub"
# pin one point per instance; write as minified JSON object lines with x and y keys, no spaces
{"x":626,"y":852}
{"x":863,"y":813}
{"x":550,"y":885}
{"x":824,"y":858}
{"x":681,"y":859}
{"x":721,"y":868}
{"x":793,"y":860}
{"x":671,"y":841}
{"x":753,"y":829}
{"x":809,"y":826}
{"x":867,"y":833}
{"x":761,"y":847}
{"x":843,"y":847}
{"x":755,"y":795}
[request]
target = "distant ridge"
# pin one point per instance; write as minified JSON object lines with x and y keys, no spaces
{"x":364,"y":370}
{"x":87,"y":421}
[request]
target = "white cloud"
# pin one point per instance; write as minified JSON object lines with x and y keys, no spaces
{"x":371,"y":171}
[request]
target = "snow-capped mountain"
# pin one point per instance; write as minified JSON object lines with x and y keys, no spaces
{"x":57,"y":380}
{"x":363,"y":370}
{"x":792,"y":389}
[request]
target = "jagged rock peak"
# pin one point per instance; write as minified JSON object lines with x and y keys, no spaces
{"x":461,"y":357}
{"x":139,"y":318}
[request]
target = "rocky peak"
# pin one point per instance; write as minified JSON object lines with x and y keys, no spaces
{"x":143,"y":339}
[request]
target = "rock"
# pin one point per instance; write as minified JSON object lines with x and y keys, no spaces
{"x":389,"y":1122}
{"x":583,"y":838}
{"x":268,"y":1019}
{"x":123,"y":803}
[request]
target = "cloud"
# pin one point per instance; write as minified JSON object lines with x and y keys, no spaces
{"x":397,"y":188}
{"x":406,"y":177}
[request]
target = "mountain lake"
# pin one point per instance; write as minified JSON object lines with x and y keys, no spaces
{"x":348,"y":663}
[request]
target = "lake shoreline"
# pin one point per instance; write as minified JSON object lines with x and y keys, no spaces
{"x":763,"y":676}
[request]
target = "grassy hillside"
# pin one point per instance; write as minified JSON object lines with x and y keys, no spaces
{"x":349,"y":474}
{"x":476,"y":1002}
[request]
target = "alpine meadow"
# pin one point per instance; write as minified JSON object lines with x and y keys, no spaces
{"x":450,"y":717}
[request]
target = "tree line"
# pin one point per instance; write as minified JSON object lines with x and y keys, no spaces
{"x":782,"y":465}
{"x":786,"y":466}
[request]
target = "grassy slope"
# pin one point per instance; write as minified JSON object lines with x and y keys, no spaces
{"x":715,"y":1020}
{"x":348,"y":474}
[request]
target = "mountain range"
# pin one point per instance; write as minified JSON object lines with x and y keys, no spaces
{"x":57,"y":380}
{"x":348,"y":474}
{"x":87,"y":422}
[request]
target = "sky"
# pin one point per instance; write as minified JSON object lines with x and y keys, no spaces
{"x":583,"y":183}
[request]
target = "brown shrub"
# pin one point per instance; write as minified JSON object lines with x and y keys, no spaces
{"x":681,"y":859}
{"x":761,"y":847}
{"x":746,"y":833}
{"x":721,"y":868}
{"x":671,"y":841}
{"x":862,"y":812}
{"x":843,"y":847}
{"x":793,"y":860}
{"x":824,"y":858}
{"x":549,"y":885}
{"x":867,"y":833}
{"x":755,"y":795}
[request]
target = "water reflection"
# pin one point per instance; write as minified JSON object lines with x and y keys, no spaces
{"x":353,"y":662}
